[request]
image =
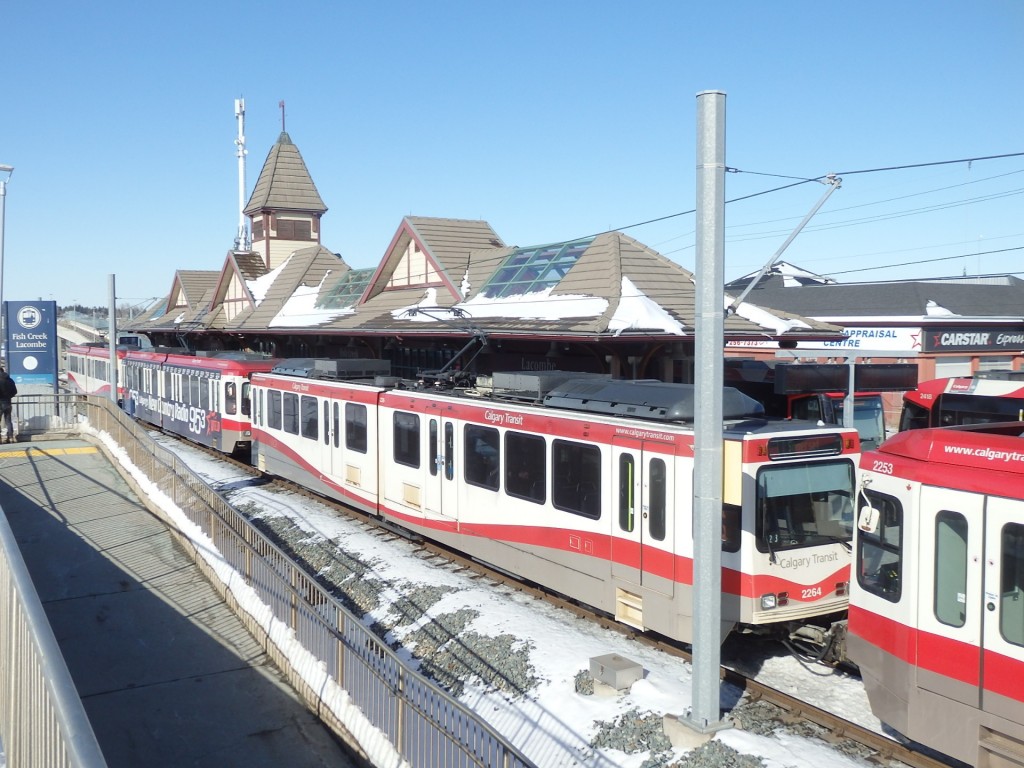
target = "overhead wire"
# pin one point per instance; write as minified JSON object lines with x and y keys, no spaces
{"x":804,"y":180}
{"x":799,"y":181}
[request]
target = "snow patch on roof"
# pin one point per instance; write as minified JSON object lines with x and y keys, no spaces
{"x":637,"y":311}
{"x":792,"y":276}
{"x":429,"y":300}
{"x":791,"y":272}
{"x":764,"y":318}
{"x":259,"y":287}
{"x":539,"y":305}
{"x":933,"y":309}
{"x":300,"y":309}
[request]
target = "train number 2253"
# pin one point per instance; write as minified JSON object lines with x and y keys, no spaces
{"x":884,"y":467}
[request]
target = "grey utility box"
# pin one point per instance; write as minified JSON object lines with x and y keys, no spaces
{"x":616,"y":671}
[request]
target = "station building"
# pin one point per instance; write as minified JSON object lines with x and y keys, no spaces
{"x":447,"y":292}
{"x":453,"y":292}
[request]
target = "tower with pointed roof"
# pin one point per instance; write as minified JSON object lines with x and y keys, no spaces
{"x":285,"y":207}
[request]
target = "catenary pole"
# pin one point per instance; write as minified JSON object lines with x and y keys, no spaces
{"x":7,"y":170}
{"x":112,"y":340}
{"x":705,"y":715}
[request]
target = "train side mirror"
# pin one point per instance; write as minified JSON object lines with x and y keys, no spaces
{"x":867,"y":521}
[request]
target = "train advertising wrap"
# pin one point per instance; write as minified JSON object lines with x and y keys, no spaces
{"x":31,"y":341}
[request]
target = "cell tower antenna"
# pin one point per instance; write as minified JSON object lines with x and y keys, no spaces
{"x":243,"y":242}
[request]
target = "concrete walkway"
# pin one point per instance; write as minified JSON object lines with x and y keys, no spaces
{"x":167,"y":673}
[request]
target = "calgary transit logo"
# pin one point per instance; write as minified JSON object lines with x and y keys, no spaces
{"x":29,"y":317}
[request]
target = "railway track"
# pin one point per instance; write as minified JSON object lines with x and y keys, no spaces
{"x":789,"y":711}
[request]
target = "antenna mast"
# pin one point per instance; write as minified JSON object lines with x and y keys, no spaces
{"x":242,"y":240}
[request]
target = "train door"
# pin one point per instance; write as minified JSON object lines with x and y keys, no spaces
{"x":332,"y":462}
{"x":439,"y":487}
{"x":1003,"y":610}
{"x":643,"y":516}
{"x":949,"y":619}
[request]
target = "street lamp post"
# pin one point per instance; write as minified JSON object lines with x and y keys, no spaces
{"x":7,"y":170}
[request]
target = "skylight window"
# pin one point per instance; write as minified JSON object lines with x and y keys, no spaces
{"x":346,"y":291}
{"x":529,"y":270}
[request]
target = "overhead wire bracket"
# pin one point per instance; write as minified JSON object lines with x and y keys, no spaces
{"x":833,"y":183}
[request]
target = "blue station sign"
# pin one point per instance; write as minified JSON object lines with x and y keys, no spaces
{"x":31,"y":341}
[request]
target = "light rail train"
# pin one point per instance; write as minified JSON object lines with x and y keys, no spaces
{"x":936,"y":619}
{"x":989,"y":396}
{"x":577,"y":482}
{"x":582,"y":484}
{"x":202,"y":397}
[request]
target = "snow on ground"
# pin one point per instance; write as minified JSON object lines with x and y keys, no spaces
{"x":552,"y":723}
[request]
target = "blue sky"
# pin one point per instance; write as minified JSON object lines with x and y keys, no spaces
{"x":550,"y":120}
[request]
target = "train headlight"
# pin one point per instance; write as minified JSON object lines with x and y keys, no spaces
{"x":842,"y":588}
{"x":768,"y":602}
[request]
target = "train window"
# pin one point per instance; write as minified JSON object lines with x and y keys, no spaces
{"x":656,"y":499}
{"x":732,"y":520}
{"x":327,"y":421}
{"x":627,"y":500}
{"x":808,"y":408}
{"x":951,"y":568}
{"x":432,"y":441}
{"x":246,"y":399}
{"x":406,"y":431}
{"x":806,"y":504}
{"x":525,"y":467}
{"x":230,"y":398}
{"x":274,"y":409}
{"x":355,"y":427}
{"x":576,"y":478}
{"x":204,"y":393}
{"x":879,"y":559}
{"x":336,"y":423}
{"x":956,"y":408}
{"x":193,"y":390}
{"x":449,"y":451}
{"x":483,"y":457}
{"x":1011,"y":607}
{"x":290,"y":412}
{"x":307,"y":417}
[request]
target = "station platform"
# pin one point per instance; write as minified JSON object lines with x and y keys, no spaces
{"x":168,"y":675}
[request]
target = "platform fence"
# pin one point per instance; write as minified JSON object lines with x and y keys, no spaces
{"x":425,"y":725}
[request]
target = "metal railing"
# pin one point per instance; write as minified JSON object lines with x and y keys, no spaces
{"x":42,"y":721}
{"x":425,"y":725}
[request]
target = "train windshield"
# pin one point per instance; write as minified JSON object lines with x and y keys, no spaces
{"x":868,"y":419}
{"x":804,"y":504}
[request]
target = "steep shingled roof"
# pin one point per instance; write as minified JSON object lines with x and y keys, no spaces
{"x":445,"y":245}
{"x":284,"y":183}
{"x":615,"y":286}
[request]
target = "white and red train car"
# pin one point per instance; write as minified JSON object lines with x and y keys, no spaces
{"x":203,"y":397}
{"x":580,"y":485}
{"x":988,"y":396}
{"x":936,"y":618}
{"x":88,"y":367}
